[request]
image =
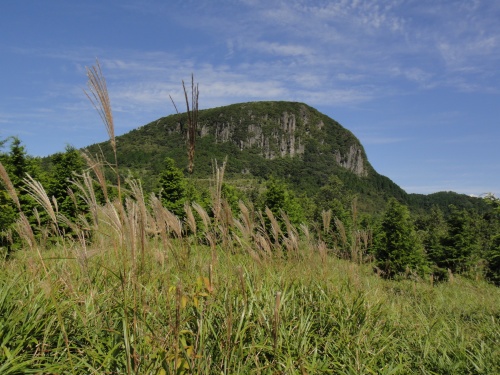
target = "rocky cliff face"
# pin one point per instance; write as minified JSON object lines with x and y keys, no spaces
{"x":353,"y":160}
{"x":286,"y":133}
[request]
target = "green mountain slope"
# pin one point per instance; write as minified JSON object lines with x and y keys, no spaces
{"x":288,"y":140}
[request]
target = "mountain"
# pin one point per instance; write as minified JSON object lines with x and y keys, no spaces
{"x":288,"y":140}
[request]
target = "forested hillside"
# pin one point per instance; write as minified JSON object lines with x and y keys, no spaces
{"x":282,"y":156}
{"x":290,"y":141}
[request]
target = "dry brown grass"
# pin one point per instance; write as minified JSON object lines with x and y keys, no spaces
{"x":192,"y":112}
{"x":99,"y":98}
{"x":11,"y":191}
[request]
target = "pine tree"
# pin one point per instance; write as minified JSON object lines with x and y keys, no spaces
{"x":66,"y":167}
{"x":173,"y":188}
{"x":396,"y":245}
{"x":17,"y":165}
{"x":491,"y":240}
{"x":433,"y":230}
{"x":461,"y":246}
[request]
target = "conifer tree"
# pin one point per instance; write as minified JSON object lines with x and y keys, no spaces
{"x":492,"y":250}
{"x":461,"y":247}
{"x":173,"y":188}
{"x":17,"y":165}
{"x":66,"y":167}
{"x":396,"y":245}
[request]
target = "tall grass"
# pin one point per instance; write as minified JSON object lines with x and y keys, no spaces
{"x":238,"y":316}
{"x":136,"y":290}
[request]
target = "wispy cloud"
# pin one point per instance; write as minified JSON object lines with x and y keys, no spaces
{"x":281,"y":49}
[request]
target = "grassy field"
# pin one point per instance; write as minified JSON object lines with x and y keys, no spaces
{"x":191,"y":309}
{"x":129,"y":288}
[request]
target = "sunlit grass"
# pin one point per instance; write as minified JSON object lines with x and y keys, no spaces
{"x":133,"y":289}
{"x":203,"y":317}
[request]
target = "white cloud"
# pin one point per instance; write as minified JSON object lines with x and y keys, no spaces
{"x":280,"y":49}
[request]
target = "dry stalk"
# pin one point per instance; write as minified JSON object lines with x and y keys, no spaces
{"x":291,"y":239}
{"x":173,"y":223}
{"x":263,"y":244}
{"x":203,"y":214}
{"x":241,"y":228}
{"x":192,"y":121}
{"x":38,"y":193}
{"x":218,"y":173}
{"x":131,"y":226}
{"x":327,"y":218}
{"x":192,"y":114}
{"x":247,"y":226}
{"x":275,"y":226}
{"x":99,"y":98}
{"x":190,"y":220}
{"x":24,"y":230}
{"x":97,"y":166}
{"x":142,"y":218}
{"x":112,"y":217}
{"x":11,"y":191}
{"x":87,"y":193}
{"x":227,"y":214}
{"x":322,"y":250}
{"x":241,"y":278}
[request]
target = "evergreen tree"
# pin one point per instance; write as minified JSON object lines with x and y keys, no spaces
{"x":173,"y":188}
{"x":8,"y":215}
{"x":461,"y":246}
{"x":492,"y":248}
{"x":396,"y":245}
{"x":433,"y":229}
{"x":17,"y":165}
{"x":66,"y":167}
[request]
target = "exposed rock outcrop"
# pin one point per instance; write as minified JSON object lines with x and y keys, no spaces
{"x":353,"y":160}
{"x":284,"y":134}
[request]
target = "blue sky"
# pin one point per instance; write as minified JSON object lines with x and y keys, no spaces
{"x":417,"y":81}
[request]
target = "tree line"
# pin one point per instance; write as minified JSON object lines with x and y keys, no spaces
{"x":429,"y":243}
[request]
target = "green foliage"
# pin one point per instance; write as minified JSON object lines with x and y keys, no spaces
{"x":173,"y":188}
{"x":493,"y":261}
{"x":491,"y":252}
{"x":256,"y":139}
{"x":18,"y":165}
{"x":144,"y":149}
{"x":278,"y":198}
{"x":433,"y":230}
{"x":213,"y":318}
{"x":66,"y":167}
{"x":148,"y":294}
{"x":396,"y":245}
{"x":461,"y":244}
{"x":233,"y":196}
{"x":446,"y":200}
